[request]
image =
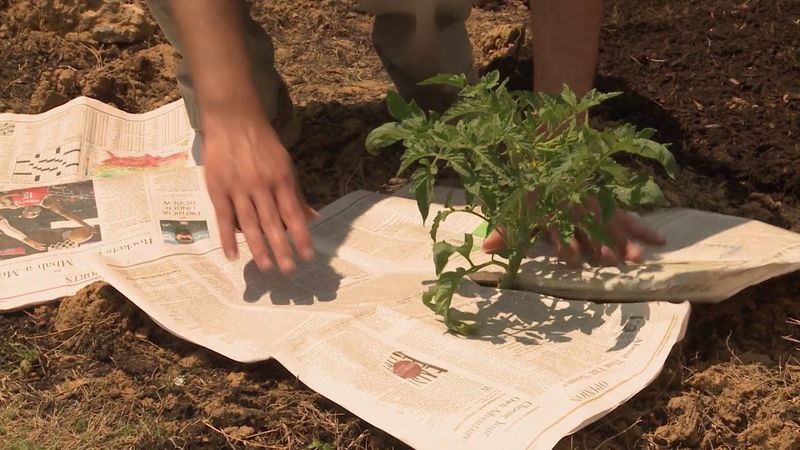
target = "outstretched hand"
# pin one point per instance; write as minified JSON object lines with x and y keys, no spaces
{"x":252,"y":184}
{"x":627,"y":231}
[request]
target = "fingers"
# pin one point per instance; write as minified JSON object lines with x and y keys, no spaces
{"x":639,"y":230}
{"x":226,"y":222}
{"x":294,"y":216}
{"x":494,"y":242}
{"x":251,"y":228}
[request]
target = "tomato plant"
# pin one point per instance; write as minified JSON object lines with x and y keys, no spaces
{"x":525,"y":160}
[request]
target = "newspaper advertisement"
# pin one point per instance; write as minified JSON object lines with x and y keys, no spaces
{"x":46,"y":231}
{"x":352,"y":326}
{"x":87,"y":138}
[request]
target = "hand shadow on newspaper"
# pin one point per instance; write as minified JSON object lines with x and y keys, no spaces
{"x":312,"y":281}
{"x":528,"y":318}
{"x":317,"y":281}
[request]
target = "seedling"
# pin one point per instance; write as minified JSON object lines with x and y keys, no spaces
{"x":526,"y":161}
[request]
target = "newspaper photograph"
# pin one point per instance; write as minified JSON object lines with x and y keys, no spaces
{"x":46,"y":232}
{"x":48,"y":218}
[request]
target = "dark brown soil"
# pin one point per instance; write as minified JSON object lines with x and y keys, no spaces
{"x":719,"y":80}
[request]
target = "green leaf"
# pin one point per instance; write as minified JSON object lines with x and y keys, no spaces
{"x":598,"y":233}
{"x":442,"y":251}
{"x":569,"y":97}
{"x":384,"y":136}
{"x":642,"y":191}
{"x":399,"y":108}
{"x":441,"y":255}
{"x":438,"y":219}
{"x":649,"y":193}
{"x":459,"y":81}
{"x":439,"y":297}
{"x":422,"y":185}
{"x":412,"y":154}
{"x":655,"y":151}
{"x":608,"y":204}
{"x":459,"y":163}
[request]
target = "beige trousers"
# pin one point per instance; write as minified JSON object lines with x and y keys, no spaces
{"x":415,"y":39}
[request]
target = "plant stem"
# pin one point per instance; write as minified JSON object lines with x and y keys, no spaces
{"x":508,"y":278}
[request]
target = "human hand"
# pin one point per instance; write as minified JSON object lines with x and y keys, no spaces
{"x":251,"y":182}
{"x":627,"y":231}
{"x":36,"y":245}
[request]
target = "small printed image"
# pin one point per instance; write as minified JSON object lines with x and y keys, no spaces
{"x":183,"y":232}
{"x":415,"y":371}
{"x":115,"y":165}
{"x":47,"y":218}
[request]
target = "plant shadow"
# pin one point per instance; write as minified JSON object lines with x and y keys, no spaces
{"x":525,"y":319}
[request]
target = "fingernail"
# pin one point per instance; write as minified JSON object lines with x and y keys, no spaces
{"x":230,"y":254}
{"x":287,"y":266}
{"x":307,"y":254}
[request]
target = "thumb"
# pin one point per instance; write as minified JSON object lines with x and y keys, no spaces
{"x":494,"y":242}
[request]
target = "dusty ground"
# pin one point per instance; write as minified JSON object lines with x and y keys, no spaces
{"x":718,"y":79}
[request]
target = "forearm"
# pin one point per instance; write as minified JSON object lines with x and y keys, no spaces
{"x":566,"y":36}
{"x":214,"y":48}
{"x":11,"y":232}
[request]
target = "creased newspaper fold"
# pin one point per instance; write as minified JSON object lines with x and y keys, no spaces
{"x":351,"y":325}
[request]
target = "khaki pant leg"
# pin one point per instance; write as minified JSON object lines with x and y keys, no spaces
{"x":417,"y":39}
{"x":271,"y":88}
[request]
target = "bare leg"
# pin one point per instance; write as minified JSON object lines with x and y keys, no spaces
{"x":566,"y":35}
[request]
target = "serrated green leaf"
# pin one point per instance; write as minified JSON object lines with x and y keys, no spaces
{"x":399,"y":108}
{"x":608,"y":205}
{"x":650,"y":194}
{"x":459,"y":81}
{"x":438,"y":219}
{"x":569,"y":97}
{"x":384,"y":136}
{"x":598,"y":233}
{"x":439,"y":296}
{"x":442,"y":251}
{"x":566,"y":230}
{"x":652,"y":150}
{"x":422,"y":185}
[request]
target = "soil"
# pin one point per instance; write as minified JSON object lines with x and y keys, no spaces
{"x":718,"y":79}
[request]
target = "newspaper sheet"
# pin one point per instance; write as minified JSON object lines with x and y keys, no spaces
{"x":63,"y":192}
{"x":87,"y":138}
{"x":43,"y":244}
{"x":708,"y":258}
{"x":351,"y":325}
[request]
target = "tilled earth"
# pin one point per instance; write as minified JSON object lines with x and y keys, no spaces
{"x":718,"y":79}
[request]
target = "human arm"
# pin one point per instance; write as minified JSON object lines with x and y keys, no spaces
{"x":7,"y":229}
{"x":566,"y":35}
{"x":54,"y":205}
{"x":249,"y":173}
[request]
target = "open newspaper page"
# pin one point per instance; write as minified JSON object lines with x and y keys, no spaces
{"x":352,"y":326}
{"x":58,"y":200}
{"x":708,"y":257}
{"x":46,"y":231}
{"x":85,"y":138}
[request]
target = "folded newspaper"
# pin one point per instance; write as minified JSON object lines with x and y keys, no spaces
{"x":88,"y":193}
